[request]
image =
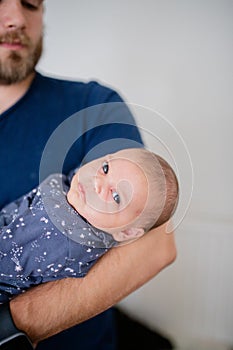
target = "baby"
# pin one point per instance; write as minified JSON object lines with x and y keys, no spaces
{"x":61,"y":228}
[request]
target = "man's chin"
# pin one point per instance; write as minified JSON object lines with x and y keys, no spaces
{"x":18,"y":66}
{"x":15,"y":71}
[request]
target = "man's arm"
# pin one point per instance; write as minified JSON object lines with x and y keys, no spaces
{"x":54,"y":306}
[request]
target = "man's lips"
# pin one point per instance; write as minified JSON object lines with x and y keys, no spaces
{"x":12,"y":45}
{"x":14,"y":40}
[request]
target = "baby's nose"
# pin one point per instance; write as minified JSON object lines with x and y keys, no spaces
{"x":101,"y":187}
{"x":98,"y":184}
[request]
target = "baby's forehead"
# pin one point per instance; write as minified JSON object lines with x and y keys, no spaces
{"x":129,"y":162}
{"x":124,"y":154}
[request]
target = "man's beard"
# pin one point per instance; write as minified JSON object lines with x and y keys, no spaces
{"x":17,"y":67}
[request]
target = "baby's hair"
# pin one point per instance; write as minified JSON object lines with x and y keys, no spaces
{"x":171,"y":195}
{"x":163,"y":189}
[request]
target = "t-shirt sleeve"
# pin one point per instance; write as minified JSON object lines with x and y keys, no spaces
{"x":111,"y":124}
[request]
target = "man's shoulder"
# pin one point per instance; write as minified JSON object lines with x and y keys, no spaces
{"x":93,"y":91}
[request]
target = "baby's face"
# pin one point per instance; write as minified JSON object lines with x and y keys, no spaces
{"x":110,"y":192}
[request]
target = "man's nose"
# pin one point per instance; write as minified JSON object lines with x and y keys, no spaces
{"x":12,"y":15}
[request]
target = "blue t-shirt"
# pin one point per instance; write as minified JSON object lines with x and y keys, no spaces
{"x":26,"y":127}
{"x":24,"y":131}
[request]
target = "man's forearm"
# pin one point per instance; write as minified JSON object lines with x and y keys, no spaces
{"x":52,"y":307}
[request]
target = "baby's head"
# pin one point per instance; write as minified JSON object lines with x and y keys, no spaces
{"x":125,"y":193}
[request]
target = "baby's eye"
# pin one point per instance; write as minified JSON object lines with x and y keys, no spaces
{"x":116,"y":197}
{"x":105,"y":167}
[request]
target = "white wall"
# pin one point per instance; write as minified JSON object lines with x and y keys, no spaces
{"x":174,"y":57}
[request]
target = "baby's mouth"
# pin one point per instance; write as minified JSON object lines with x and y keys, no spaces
{"x":81,"y":191}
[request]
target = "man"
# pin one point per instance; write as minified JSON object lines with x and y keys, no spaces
{"x":32,"y":107}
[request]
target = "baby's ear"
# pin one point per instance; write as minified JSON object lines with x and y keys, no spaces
{"x":128,"y":234}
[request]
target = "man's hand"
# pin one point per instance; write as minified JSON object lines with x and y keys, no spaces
{"x":54,"y":306}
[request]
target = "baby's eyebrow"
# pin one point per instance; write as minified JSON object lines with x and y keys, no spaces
{"x":108,"y":156}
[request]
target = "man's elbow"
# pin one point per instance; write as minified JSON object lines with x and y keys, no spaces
{"x":170,"y":254}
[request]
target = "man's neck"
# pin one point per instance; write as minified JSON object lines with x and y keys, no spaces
{"x":10,"y":94}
